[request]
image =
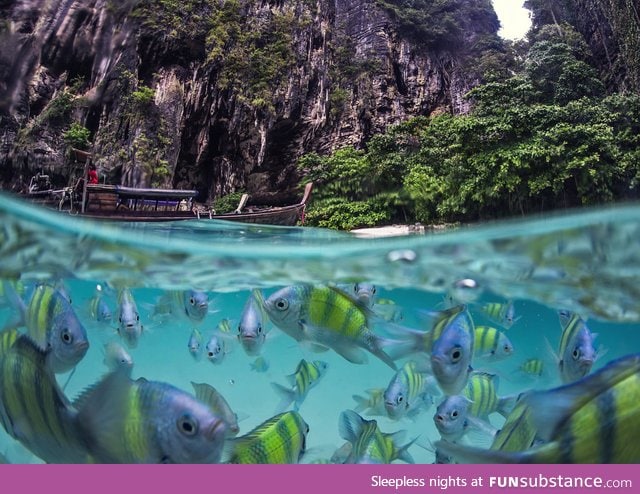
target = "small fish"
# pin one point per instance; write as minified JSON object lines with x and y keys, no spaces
{"x":328,"y":317}
{"x":532,"y":367}
{"x":129,"y":327}
{"x":452,"y":353}
{"x":224,"y":326}
{"x":576,"y":354}
{"x":453,"y":419}
{"x":126,"y":421}
{"x":365,"y":293}
{"x":260,"y":364}
{"x":52,"y":323}
{"x":373,"y":404}
{"x":408,"y":391}
{"x":219,"y":406}
{"x":491,"y":344}
{"x":593,"y":420}
{"x":215,"y":349}
{"x":252,"y":329}
{"x":33,"y":408}
{"x":116,"y":357}
{"x":190,"y":305}
{"x":305,"y":377}
{"x":388,"y":310}
{"x":500,"y":313}
{"x":282,"y":439}
{"x":369,"y":444}
{"x":195,"y":344}
{"x":98,"y":308}
{"x":481,"y":389}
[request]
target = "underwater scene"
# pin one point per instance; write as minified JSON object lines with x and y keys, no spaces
{"x":209,"y":342}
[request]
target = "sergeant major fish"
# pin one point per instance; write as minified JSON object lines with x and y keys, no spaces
{"x":330,"y":318}
{"x":482,"y":391}
{"x":190,"y":305}
{"x":52,"y":323}
{"x":593,"y":420}
{"x":305,"y":377}
{"x":491,"y":344}
{"x":33,"y":408}
{"x":125,"y":421}
{"x":129,"y":327}
{"x":282,"y":439}
{"x":194,"y":345}
{"x":500,"y":313}
{"x":408,"y":391}
{"x":453,"y":419}
{"x":576,"y":353}
{"x":116,"y":357}
{"x":369,"y":444}
{"x":251,"y":328}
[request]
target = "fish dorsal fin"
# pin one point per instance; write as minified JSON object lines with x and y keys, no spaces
{"x":555,"y":406}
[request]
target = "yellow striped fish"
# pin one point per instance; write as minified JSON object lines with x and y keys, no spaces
{"x":408,"y":391}
{"x":305,"y":377}
{"x":453,"y":419}
{"x":125,"y":421}
{"x":500,"y":313}
{"x":532,"y":366}
{"x":491,"y":344}
{"x":373,"y":404}
{"x":224,"y":326}
{"x":52,"y":323}
{"x":369,"y":443}
{"x":33,"y":409}
{"x":576,"y":353}
{"x":481,"y":390}
{"x":330,"y":318}
{"x":593,"y":420}
{"x":280,"y":440}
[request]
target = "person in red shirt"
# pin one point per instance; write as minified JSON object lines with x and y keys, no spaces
{"x":93,"y":174}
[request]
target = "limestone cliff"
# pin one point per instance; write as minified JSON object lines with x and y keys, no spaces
{"x":221,"y":95}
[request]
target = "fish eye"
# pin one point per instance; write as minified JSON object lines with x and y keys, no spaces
{"x":373,"y":290}
{"x":456,"y":355}
{"x":507,"y":348}
{"x":454,"y":414}
{"x":192,"y":301}
{"x":576,"y":353}
{"x":137,"y":317}
{"x":400,"y":399}
{"x":259,"y":328}
{"x":66,"y":336}
{"x":282,"y":304}
{"x":187,"y":425}
{"x":356,"y":287}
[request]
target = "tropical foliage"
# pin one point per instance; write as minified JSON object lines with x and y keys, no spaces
{"x":544,"y":138}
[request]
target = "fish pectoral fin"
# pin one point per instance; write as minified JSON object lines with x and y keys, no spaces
{"x":352,"y":353}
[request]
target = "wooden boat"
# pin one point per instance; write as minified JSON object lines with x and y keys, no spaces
{"x":119,"y":203}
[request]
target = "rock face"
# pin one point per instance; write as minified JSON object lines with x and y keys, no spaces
{"x":215,"y":95}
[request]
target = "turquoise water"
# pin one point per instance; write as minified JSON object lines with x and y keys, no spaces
{"x":587,"y":261}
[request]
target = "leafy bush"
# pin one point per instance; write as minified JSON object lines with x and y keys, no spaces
{"x":77,"y":136}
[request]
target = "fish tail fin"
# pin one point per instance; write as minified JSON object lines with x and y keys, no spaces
{"x":362,"y":403}
{"x":402,"y":452}
{"x":402,"y":344}
{"x":287,"y":396}
{"x":350,"y":426}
